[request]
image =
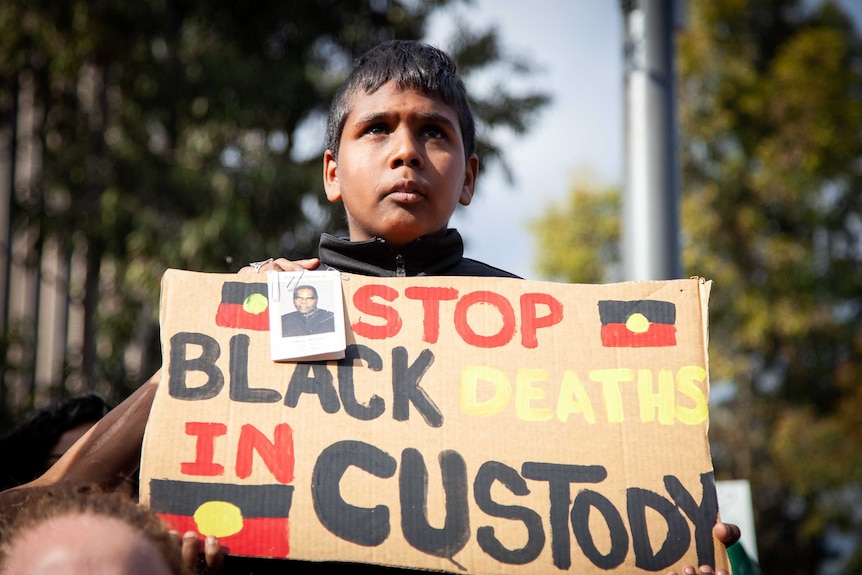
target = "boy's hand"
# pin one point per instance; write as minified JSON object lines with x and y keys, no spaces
{"x":727,"y":533}
{"x":280,"y":265}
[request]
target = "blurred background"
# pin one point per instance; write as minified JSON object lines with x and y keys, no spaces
{"x":138,"y":136}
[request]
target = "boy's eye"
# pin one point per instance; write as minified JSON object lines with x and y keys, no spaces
{"x":433,"y":132}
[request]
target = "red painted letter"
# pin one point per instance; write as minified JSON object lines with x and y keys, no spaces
{"x":277,"y":455}
{"x":431,"y":298}
{"x":530,"y":322}
{"x":363,"y":303}
{"x":204,"y":448}
{"x":503,"y":306}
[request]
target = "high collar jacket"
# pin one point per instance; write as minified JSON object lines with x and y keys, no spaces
{"x":440,"y":254}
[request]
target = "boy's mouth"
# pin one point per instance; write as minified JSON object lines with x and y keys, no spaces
{"x":406,"y":192}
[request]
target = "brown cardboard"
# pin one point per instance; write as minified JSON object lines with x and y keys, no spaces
{"x":561,"y":453}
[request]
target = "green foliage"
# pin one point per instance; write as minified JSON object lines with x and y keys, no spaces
{"x":771,"y":120}
{"x":175,"y":134}
{"x":580,"y":236}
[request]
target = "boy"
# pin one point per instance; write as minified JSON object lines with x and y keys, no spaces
{"x":401,"y":157}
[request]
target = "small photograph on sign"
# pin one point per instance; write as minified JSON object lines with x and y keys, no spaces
{"x":306,"y":315}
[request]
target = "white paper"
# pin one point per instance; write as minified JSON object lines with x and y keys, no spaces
{"x":306,"y":315}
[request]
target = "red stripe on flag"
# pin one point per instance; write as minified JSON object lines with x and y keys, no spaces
{"x":233,"y":315}
{"x":658,"y":335}
{"x":259,"y":537}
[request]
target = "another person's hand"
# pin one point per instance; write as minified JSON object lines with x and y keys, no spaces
{"x":727,"y":533}
{"x":280,"y":265}
{"x":206,"y":560}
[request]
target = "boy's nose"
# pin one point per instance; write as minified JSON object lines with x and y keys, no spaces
{"x":405,"y":151}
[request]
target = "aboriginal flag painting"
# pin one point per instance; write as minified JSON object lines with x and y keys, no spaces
{"x":244,"y":306}
{"x":638,"y":323}
{"x":247,"y":519}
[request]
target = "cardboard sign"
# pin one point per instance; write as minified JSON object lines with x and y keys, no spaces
{"x":475,"y":425}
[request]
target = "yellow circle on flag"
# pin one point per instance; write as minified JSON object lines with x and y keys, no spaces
{"x":255,"y":303}
{"x":637,"y":323}
{"x":218,"y":518}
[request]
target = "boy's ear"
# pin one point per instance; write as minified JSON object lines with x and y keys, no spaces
{"x":470,"y":175}
{"x":330,"y":177}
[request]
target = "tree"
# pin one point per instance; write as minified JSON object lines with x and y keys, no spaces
{"x":587,"y":226}
{"x":771,"y":124}
{"x":169,"y":134}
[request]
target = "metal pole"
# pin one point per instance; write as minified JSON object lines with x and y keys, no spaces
{"x":650,"y":230}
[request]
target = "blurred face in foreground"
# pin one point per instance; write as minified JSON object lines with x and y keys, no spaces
{"x":83,"y":544}
{"x":401,"y":169}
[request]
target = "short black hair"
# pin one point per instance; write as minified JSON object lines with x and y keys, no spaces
{"x":412,"y":66}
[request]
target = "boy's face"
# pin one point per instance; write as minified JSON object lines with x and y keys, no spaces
{"x":401,"y":169}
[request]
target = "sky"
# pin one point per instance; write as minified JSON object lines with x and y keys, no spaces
{"x":577,"y":46}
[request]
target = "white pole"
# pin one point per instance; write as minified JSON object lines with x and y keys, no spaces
{"x":650,"y":223}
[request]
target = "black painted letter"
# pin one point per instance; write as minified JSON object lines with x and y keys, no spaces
{"x":584,"y":502}
{"x":320,"y":384}
{"x":678,"y":535}
{"x":703,"y":516}
{"x":352,"y":407}
{"x":360,"y":525}
{"x":406,"y":389}
{"x":239,"y":389}
{"x":181,"y":365}
{"x":559,"y":477}
{"x":490,"y":472}
{"x":413,"y":482}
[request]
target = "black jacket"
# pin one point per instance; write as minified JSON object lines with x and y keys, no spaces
{"x":298,"y":323}
{"x":440,"y":254}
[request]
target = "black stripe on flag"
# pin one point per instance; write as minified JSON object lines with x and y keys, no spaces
{"x":615,"y":311}
{"x":184,"y":497}
{"x":238,"y":292}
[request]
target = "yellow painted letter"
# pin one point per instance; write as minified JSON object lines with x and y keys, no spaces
{"x":686,"y":380}
{"x":611,"y":380}
{"x":574,"y":399}
{"x":650,"y":400}
{"x":525,"y":393}
{"x":470,"y":378}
